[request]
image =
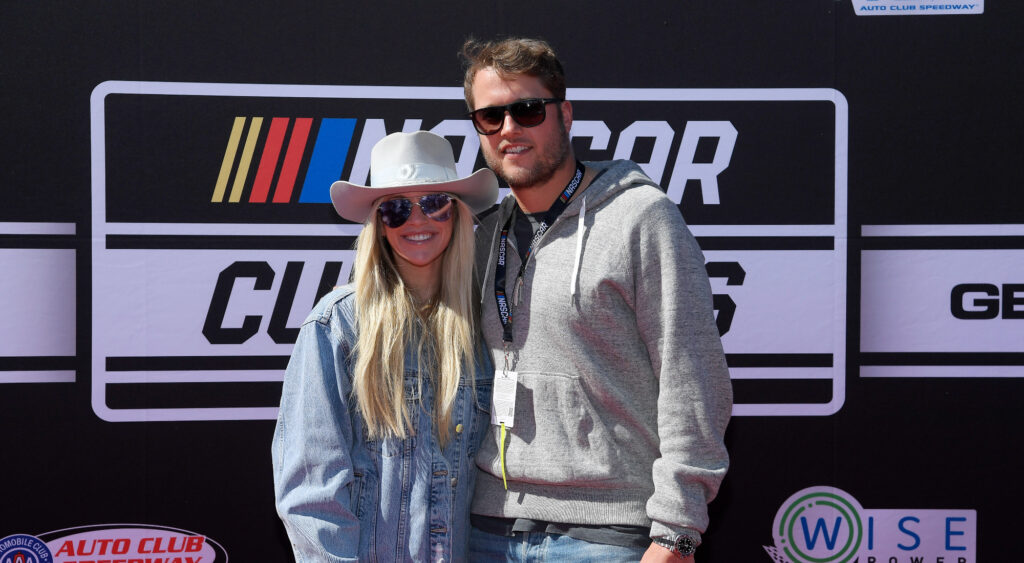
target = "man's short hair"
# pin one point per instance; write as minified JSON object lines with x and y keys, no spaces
{"x":511,"y":57}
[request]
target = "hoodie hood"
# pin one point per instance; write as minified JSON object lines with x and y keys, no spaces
{"x":609,"y":179}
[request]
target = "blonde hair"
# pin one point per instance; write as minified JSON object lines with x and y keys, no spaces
{"x":388,"y":320}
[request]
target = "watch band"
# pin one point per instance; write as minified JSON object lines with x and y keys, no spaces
{"x":681,"y":545}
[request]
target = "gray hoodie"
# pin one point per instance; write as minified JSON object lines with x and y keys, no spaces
{"x":623,"y":393}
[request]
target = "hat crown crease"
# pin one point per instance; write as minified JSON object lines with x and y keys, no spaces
{"x":411,"y":174}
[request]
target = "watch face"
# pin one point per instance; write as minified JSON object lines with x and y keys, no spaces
{"x":685,"y":546}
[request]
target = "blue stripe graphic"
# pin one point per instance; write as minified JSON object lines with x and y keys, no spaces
{"x":328,"y":160}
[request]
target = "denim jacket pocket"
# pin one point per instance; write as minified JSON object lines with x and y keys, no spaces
{"x":484,"y":387}
{"x":481,"y":414}
{"x":358,"y":485}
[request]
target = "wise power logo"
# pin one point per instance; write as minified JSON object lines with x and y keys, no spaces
{"x":213,"y":233}
{"x":828,"y":525}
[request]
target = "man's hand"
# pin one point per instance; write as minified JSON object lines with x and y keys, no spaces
{"x":659,"y":554}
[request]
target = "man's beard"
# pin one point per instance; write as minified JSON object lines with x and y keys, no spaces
{"x":550,"y":159}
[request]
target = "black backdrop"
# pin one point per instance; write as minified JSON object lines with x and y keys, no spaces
{"x":934,"y":138}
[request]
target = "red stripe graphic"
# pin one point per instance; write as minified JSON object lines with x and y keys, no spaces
{"x":292,"y":159}
{"x":268,"y":162}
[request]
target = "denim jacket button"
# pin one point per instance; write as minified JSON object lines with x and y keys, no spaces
{"x":455,"y":481}
{"x":458,"y":428}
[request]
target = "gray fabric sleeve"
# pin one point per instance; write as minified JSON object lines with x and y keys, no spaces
{"x":676,"y":321}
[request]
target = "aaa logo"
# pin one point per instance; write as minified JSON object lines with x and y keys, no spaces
{"x":23,"y":548}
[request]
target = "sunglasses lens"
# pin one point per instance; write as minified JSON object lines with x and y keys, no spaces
{"x":394,"y":212}
{"x":437,"y":206}
{"x":528,"y":113}
{"x":489,"y":120}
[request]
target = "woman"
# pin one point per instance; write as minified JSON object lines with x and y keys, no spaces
{"x":386,"y":396}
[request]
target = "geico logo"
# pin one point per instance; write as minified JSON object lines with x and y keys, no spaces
{"x":262,"y":275}
{"x":333,"y":143}
{"x":986,"y":302}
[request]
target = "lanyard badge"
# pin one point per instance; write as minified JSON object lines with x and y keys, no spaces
{"x":503,"y":400}
{"x":503,"y":407}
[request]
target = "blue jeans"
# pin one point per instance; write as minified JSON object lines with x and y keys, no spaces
{"x":538,"y":547}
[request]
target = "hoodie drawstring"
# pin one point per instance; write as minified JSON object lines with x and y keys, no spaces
{"x":580,"y":232}
{"x":490,"y":254}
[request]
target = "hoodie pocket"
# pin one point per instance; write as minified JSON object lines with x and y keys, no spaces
{"x":558,"y":436}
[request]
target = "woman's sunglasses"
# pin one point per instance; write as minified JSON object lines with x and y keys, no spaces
{"x":527,"y":113}
{"x":395,"y":212}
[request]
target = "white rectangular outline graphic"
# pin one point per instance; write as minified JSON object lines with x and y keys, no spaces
{"x":838,"y":230}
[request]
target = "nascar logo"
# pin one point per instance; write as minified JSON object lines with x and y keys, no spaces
{"x":328,"y":157}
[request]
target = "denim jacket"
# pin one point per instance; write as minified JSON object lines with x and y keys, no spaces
{"x":344,"y":497}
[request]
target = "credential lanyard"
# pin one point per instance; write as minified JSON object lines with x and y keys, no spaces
{"x":503,"y":399}
{"x":556,"y":209}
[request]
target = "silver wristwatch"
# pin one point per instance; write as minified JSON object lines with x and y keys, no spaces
{"x":681,"y":545}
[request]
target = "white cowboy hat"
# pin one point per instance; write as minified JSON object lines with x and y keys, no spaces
{"x":413,"y":162}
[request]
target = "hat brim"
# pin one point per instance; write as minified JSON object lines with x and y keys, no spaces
{"x":354,"y":203}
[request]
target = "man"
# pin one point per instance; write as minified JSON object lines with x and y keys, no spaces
{"x":611,"y":395}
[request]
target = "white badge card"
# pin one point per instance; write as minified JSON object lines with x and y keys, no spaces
{"x":503,"y":400}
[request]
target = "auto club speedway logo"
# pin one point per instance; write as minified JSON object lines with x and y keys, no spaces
{"x":112,"y":543}
{"x":213,"y":233}
{"x":828,"y":525}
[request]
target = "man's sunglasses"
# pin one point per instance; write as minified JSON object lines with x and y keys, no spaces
{"x":527,"y":113}
{"x":395,"y":212}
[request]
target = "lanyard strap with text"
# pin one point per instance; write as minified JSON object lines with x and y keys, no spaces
{"x":504,"y":311}
{"x":503,"y":399}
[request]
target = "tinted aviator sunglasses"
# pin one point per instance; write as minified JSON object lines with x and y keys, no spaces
{"x":527,"y":113}
{"x":395,"y":212}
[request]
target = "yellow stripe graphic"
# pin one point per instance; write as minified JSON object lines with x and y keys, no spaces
{"x":243,"y":165}
{"x":229,"y":159}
